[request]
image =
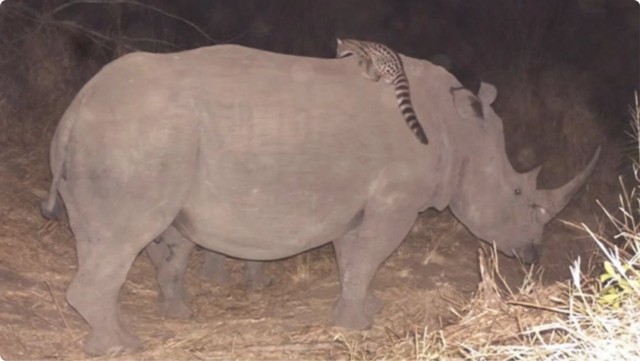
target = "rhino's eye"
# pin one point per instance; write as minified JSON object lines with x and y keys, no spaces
{"x":517,"y":191}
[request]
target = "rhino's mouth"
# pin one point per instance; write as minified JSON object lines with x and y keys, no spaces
{"x":528,"y":254}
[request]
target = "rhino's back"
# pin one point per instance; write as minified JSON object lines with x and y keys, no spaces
{"x":288,"y":149}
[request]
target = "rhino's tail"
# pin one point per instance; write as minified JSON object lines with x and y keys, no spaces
{"x":49,"y":211}
{"x":51,"y":207}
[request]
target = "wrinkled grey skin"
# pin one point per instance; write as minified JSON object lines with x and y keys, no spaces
{"x":261,"y":156}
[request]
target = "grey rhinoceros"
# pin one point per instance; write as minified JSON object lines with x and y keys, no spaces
{"x":260,"y":156}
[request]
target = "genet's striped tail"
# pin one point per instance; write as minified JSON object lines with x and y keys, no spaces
{"x":401,"y":85}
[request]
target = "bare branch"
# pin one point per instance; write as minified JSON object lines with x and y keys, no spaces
{"x":139,"y":4}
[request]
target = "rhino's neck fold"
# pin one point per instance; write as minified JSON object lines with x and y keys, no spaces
{"x":449,"y":167}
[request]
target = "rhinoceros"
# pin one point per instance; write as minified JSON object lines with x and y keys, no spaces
{"x":260,"y":156}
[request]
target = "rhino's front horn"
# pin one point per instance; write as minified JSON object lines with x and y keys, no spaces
{"x":554,"y":200}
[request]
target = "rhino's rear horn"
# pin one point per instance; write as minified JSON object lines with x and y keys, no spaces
{"x":554,"y":200}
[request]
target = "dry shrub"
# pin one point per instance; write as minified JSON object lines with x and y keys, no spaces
{"x":564,"y":321}
{"x":43,"y":66}
{"x":548,"y":119}
{"x":49,"y":50}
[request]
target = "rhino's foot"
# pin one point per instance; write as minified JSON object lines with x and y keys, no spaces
{"x":176,"y":308}
{"x":112,"y":343}
{"x":349,"y":315}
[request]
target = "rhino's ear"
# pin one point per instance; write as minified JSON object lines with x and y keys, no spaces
{"x":487,"y":93}
{"x":466,"y":104}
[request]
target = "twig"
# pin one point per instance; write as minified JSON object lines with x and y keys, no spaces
{"x":18,"y":340}
{"x":93,"y":33}
{"x":64,"y":320}
{"x":28,"y":14}
{"x":136,"y":3}
{"x":149,"y":40}
{"x":540,"y":307}
{"x":47,"y":321}
{"x":197,"y":355}
{"x":290,"y":347}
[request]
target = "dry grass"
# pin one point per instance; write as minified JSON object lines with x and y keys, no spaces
{"x":564,"y":321}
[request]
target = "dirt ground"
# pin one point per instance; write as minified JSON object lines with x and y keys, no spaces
{"x":434,"y":271}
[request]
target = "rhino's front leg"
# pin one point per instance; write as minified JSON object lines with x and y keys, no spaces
{"x":94,"y":291}
{"x":359,"y":254}
{"x":170,"y":256}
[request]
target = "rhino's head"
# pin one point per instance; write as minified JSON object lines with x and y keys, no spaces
{"x":494,"y":201}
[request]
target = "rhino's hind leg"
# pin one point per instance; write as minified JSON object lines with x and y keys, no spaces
{"x":106,"y":251}
{"x":170,"y":256}
{"x":94,"y":291}
{"x":255,"y":277}
{"x":214,"y":269}
{"x":359,"y":254}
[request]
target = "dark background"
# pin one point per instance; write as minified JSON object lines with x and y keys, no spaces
{"x":566,"y":70}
